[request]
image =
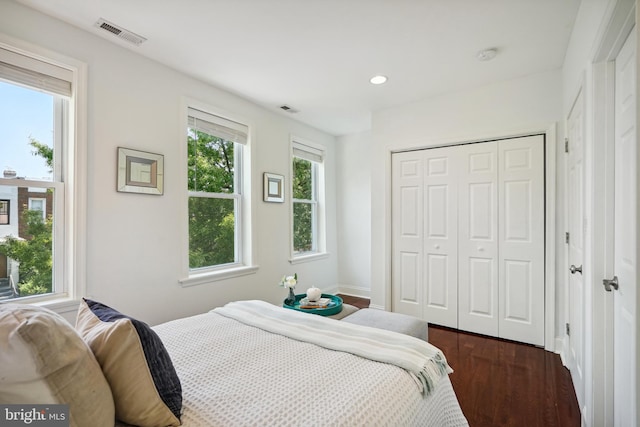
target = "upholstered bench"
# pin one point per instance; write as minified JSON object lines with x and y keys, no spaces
{"x":347,"y":310}
{"x":390,"y":321}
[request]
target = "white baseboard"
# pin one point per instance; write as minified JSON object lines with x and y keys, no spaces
{"x":354,"y":291}
{"x":560,"y":349}
{"x":332,"y":290}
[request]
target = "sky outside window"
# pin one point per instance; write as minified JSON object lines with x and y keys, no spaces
{"x":24,"y":113}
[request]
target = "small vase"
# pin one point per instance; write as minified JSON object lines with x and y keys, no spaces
{"x":291,"y":299}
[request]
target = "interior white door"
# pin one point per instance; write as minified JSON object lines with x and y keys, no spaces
{"x":625,"y":223}
{"x":441,"y":236}
{"x":521,"y":239}
{"x":575,"y":216}
{"x":407,"y":233}
{"x":478,"y":238}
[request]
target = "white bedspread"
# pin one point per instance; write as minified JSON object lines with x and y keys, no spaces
{"x":422,"y":360}
{"x":233,"y":374}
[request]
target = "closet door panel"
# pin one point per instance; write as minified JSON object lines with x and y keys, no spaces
{"x":407,"y":232}
{"x":478,"y":238}
{"x":441,"y":237}
{"x":521,"y":219}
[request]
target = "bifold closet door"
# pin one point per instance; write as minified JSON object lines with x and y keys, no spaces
{"x":424,"y":230}
{"x":441,"y":236}
{"x":468,"y":237}
{"x":478,"y":238}
{"x":407,"y":233}
{"x":521,"y":239}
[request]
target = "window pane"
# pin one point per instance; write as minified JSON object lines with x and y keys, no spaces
{"x":26,"y":257}
{"x":26,"y":132}
{"x":302,"y":179}
{"x":4,"y":212}
{"x":210,"y":163}
{"x":211,"y":231}
{"x":302,"y":227}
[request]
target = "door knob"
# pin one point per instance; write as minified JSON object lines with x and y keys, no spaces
{"x":573,"y":269}
{"x":608,"y":284}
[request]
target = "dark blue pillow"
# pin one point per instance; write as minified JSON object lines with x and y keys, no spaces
{"x":112,"y":337}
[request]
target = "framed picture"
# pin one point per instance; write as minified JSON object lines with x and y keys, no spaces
{"x":273,"y":187}
{"x":140,"y":172}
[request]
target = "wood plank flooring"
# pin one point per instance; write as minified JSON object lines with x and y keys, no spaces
{"x":504,"y":383}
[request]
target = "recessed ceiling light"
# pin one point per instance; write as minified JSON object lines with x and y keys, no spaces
{"x":486,"y":54}
{"x":378,"y":80}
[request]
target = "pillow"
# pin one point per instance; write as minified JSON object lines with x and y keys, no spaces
{"x":146,"y":389}
{"x":44,"y":361}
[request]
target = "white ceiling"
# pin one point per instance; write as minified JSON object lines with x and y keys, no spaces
{"x":317,"y":55}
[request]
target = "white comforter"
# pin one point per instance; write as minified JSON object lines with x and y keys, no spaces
{"x":233,"y":374}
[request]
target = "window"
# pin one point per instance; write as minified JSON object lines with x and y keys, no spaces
{"x":307,"y":200}
{"x":36,"y":97}
{"x":4,"y":212}
{"x":38,"y":204}
{"x":215,"y":185}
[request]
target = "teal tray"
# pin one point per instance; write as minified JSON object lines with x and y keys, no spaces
{"x":334,"y":307}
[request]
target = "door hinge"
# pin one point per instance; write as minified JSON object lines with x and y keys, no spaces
{"x":566,"y":145}
{"x":566,"y":237}
{"x":568,"y":329}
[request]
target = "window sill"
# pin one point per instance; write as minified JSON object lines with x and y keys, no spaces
{"x":308,"y":258}
{"x":214,"y":276}
{"x":60,"y":303}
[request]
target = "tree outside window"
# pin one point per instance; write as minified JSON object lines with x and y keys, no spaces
{"x":214,"y":184}
{"x":304,"y":205}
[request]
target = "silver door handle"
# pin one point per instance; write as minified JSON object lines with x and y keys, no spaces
{"x":573,"y":269}
{"x":613,"y":283}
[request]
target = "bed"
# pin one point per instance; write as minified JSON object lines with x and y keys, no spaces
{"x":255,"y":364}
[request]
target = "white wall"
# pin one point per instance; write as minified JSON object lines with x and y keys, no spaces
{"x":511,"y":107}
{"x":354,"y":214}
{"x":134,"y":241}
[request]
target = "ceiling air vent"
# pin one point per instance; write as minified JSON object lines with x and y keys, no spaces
{"x":288,"y":109}
{"x":120,"y":32}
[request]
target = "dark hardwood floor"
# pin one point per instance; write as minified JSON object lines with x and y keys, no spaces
{"x":503,"y":383}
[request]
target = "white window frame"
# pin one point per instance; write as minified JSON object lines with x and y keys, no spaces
{"x":43,"y":210}
{"x":70,"y":165}
{"x":308,"y":150}
{"x":244,"y":239}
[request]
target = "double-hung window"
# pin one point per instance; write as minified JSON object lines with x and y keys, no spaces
{"x":307,"y":169}
{"x":216,"y":191}
{"x":38,"y":107}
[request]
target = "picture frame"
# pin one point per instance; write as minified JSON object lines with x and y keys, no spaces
{"x":273,"y":187}
{"x":140,"y":172}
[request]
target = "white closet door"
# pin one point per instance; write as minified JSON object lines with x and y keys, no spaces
{"x":521,"y":239}
{"x":407,"y":233}
{"x":441,"y":236}
{"x":478,"y":238}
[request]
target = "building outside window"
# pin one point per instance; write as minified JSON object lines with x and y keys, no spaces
{"x":307,"y":199}
{"x":216,"y":192}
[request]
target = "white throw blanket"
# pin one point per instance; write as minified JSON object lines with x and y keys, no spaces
{"x":422,"y":360}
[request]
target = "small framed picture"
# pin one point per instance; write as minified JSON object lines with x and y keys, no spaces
{"x":273,"y":187}
{"x":140,"y":172}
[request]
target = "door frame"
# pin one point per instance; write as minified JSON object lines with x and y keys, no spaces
{"x":580,"y":96}
{"x":599,"y":372}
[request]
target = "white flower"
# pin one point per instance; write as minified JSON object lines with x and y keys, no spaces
{"x":289,"y":281}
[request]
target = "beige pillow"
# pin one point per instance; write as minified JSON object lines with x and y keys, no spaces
{"x":146,"y":389}
{"x":44,"y":361}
